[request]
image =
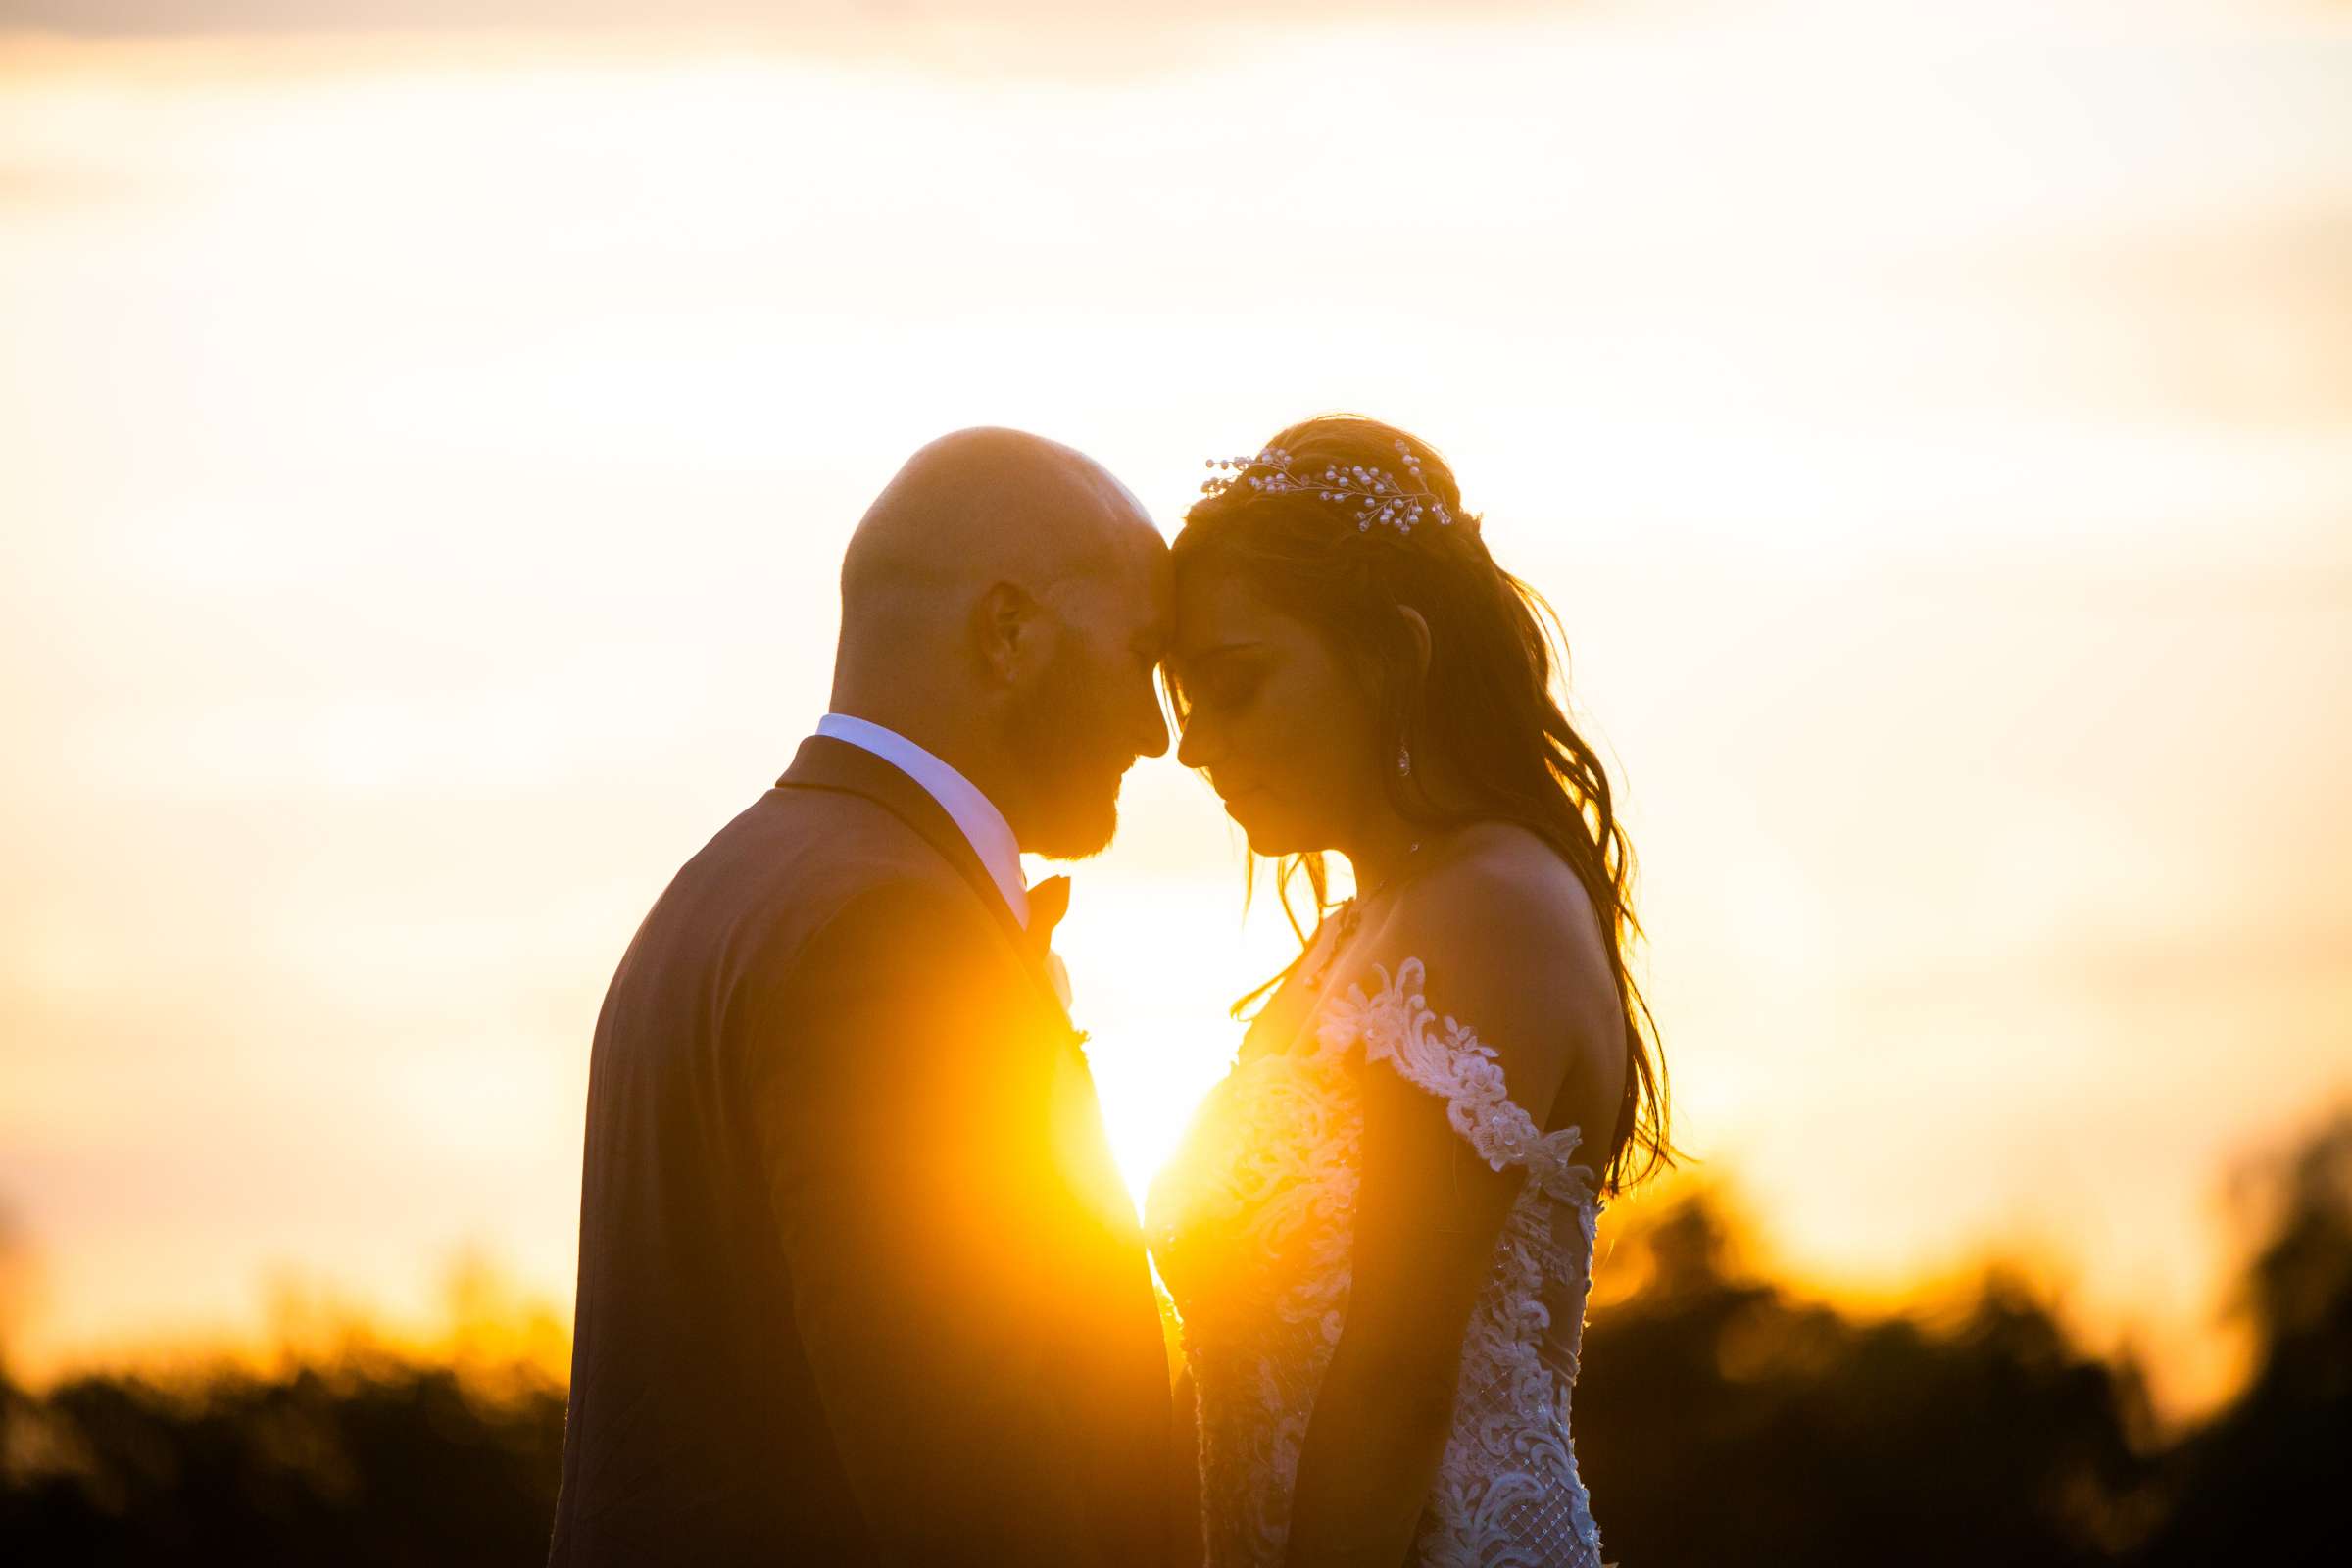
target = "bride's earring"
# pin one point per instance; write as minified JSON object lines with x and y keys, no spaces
{"x":1405,"y":761}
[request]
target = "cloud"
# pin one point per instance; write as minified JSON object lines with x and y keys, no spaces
{"x":996,"y":40}
{"x":121,"y":18}
{"x":775,"y":17}
{"x":839,"y":19}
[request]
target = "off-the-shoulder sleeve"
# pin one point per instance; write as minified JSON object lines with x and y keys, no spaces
{"x":1445,"y":1058}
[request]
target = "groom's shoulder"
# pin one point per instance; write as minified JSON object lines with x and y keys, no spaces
{"x":797,"y":860}
{"x":794,"y":844}
{"x":807,"y":884}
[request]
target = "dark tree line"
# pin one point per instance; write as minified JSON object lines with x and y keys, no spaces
{"x":1721,"y":1419}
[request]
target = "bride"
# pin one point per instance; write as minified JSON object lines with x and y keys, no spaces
{"x":1378,"y":1231}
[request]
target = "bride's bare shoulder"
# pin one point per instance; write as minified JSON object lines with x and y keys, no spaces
{"x":1508,"y":942}
{"x":1498,"y":888}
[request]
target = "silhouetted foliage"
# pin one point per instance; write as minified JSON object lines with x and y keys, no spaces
{"x":392,"y":1464}
{"x":2271,"y":1469}
{"x":1720,"y":1419}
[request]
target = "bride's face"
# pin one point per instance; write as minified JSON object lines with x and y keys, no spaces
{"x":1282,"y":727}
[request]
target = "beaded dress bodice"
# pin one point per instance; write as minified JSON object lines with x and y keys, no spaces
{"x":1252,"y":1225}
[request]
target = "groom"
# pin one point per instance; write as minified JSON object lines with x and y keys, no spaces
{"x":858,"y":1282}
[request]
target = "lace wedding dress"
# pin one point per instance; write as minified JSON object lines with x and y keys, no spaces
{"x":1252,"y":1226}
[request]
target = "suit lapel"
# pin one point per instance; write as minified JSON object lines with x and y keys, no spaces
{"x":826,"y":763}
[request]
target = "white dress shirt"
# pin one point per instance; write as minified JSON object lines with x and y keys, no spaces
{"x":984,"y":826}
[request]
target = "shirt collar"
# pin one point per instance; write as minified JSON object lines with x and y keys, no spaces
{"x":981,"y":823}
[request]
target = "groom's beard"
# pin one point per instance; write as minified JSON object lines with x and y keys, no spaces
{"x":1073,"y":778}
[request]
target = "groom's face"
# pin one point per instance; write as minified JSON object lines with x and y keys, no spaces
{"x":1092,"y":710}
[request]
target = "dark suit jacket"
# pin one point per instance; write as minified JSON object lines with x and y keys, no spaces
{"x":859,"y":1281}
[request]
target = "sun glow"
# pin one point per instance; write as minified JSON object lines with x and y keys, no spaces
{"x":427,"y":465}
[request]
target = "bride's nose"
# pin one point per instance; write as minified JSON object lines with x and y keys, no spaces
{"x":1192,"y":743}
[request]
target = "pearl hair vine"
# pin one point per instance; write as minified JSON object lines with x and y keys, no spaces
{"x":1376,"y":493}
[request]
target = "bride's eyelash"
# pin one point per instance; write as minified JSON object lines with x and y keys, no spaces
{"x":1227,"y":687}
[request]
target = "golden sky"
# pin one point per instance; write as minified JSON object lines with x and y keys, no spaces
{"x":425,"y":457}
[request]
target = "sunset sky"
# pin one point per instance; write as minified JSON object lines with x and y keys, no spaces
{"x":428,"y":432}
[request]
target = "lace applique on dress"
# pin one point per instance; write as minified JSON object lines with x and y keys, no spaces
{"x":1253,"y":1228}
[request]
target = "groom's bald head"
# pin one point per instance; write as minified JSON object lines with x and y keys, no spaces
{"x":982,"y":506}
{"x":1003,"y":602}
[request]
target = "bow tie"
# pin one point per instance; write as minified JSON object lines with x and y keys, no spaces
{"x":1049,"y":902}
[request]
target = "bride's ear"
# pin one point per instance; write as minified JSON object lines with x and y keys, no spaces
{"x":1420,"y":632}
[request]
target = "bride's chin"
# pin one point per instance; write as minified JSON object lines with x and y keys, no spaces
{"x":1262,"y":839}
{"x":1267,"y":838}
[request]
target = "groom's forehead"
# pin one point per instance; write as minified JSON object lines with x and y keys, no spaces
{"x":1140,"y":605}
{"x":1124,"y":591}
{"x":1135,"y":563}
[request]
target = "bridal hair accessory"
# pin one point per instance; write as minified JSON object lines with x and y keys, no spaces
{"x":1377,"y":495}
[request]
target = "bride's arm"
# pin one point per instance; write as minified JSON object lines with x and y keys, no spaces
{"x":1385,"y":1406}
{"x":1429,"y":1214}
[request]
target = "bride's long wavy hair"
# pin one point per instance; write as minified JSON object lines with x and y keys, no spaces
{"x":1485,"y":712}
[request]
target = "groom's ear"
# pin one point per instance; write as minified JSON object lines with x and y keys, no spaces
{"x":1004,"y":627}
